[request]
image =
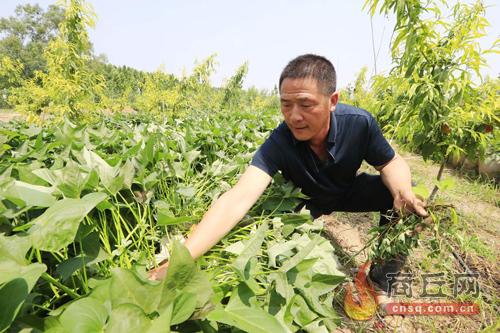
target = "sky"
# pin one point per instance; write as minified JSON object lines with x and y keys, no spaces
{"x":175,"y":34}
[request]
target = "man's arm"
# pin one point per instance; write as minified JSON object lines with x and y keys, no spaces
{"x":396,"y":176}
{"x":224,"y":214}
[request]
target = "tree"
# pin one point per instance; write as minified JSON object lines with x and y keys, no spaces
{"x":232,"y":88}
{"x":358,"y":94}
{"x":68,"y":87}
{"x":122,"y":84}
{"x":10,"y":76}
{"x":25,"y":35}
{"x":160,"y":94}
{"x":430,"y":95}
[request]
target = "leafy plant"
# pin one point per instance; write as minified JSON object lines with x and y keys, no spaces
{"x":430,"y":102}
{"x":67,"y":87}
{"x":96,"y":204}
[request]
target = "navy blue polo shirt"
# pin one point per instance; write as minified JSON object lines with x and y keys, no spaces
{"x":354,"y":136}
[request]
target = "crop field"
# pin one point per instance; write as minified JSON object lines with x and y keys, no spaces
{"x":89,"y":208}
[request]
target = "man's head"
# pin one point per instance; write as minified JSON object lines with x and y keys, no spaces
{"x":314,"y":67}
{"x":307,"y":94}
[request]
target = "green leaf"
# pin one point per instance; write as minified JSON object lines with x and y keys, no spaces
{"x":112,"y":178}
{"x":70,"y":180}
{"x":91,"y":253}
{"x":247,"y":318}
{"x":300,"y":312}
{"x":280,"y":249}
{"x":67,"y":267}
{"x":242,"y":264}
{"x":165,"y":217}
{"x":242,"y":294}
{"x":13,"y":264}
{"x":184,"y":277}
{"x":421,"y":191}
{"x":12,"y":296}
{"x":283,"y":287}
{"x":53,"y":325}
{"x":57,"y":226}
{"x":127,"y":171}
{"x":190,"y":156}
{"x":184,"y":306}
{"x":26,"y":174}
{"x":325,"y":309}
{"x":163,"y":322}
{"x":316,"y":327}
{"x":127,"y":318}
{"x":181,"y":267}
{"x":87,"y":315}
{"x":280,"y":204}
{"x":179,"y":169}
{"x":292,"y":221}
{"x":252,"y":247}
{"x":235,"y":248}
{"x":126,"y":287}
{"x":301,"y":255}
{"x":24,"y":194}
{"x":186,"y":191}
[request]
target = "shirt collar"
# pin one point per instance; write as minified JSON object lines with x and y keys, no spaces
{"x":332,"y":133}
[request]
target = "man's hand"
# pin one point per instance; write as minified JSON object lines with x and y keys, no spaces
{"x":407,"y":201}
{"x":158,"y":273}
{"x":397,"y":177}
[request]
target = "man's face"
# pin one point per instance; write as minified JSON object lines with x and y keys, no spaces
{"x":306,"y":108}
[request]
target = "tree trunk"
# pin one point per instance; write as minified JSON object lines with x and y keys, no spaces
{"x":438,"y":178}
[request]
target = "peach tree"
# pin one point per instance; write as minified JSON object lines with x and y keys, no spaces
{"x":430,"y":102}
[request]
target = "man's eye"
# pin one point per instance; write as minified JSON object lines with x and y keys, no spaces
{"x":306,"y":105}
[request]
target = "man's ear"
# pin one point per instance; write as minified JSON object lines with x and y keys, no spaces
{"x":334,"y":99}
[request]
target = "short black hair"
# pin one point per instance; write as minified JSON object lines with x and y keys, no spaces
{"x":314,"y":67}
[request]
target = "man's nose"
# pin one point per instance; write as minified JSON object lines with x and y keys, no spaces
{"x":295,"y":114}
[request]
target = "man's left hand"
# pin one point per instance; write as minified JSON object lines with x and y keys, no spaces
{"x":408,"y":202}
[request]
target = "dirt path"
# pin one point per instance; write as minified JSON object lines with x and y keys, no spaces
{"x":7,"y":116}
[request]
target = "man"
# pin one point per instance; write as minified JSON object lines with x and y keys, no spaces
{"x":319,"y":147}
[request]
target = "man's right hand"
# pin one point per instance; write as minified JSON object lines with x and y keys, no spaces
{"x":158,"y":273}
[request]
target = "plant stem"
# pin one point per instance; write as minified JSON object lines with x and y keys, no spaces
{"x":373,"y":46}
{"x":61,"y":286}
{"x":438,"y":178}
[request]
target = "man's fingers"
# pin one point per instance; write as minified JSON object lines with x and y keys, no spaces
{"x":414,"y":206}
{"x":422,"y":212}
{"x":159,"y":272}
{"x":156,"y":274}
{"x":400,"y":205}
{"x":419,"y":207}
{"x":152,"y":275}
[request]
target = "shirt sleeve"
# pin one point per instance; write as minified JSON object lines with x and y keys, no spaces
{"x":378,"y":151}
{"x":267,"y":157}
